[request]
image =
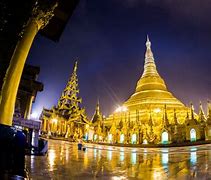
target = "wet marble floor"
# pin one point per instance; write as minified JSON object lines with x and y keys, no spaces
{"x":64,"y":161}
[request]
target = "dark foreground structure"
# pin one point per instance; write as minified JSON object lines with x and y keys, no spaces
{"x":12,"y":152}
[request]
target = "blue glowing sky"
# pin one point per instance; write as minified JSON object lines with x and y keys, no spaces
{"x":109,"y":38}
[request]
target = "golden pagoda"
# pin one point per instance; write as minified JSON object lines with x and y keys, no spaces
{"x":149,"y":111}
{"x":151,"y":93}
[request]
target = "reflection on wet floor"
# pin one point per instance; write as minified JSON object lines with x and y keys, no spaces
{"x":165,"y":158}
{"x":109,"y":155}
{"x":64,"y":161}
{"x":51,"y":159}
{"x":133,"y":158}
{"x":121,"y":156}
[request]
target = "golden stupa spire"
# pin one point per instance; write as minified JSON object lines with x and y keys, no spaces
{"x":148,"y":55}
{"x":175,"y":117}
{"x":165,"y":117}
{"x":150,"y":79}
{"x":187,"y":114}
{"x":192,"y":110}
{"x":149,"y":64}
{"x":201,"y":113}
{"x":208,"y":113}
{"x":98,"y":107}
{"x":97,"y":115}
{"x":75,"y":67}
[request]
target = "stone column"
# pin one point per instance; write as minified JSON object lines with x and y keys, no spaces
{"x":44,"y":125}
{"x":40,"y":18}
{"x":27,"y":114}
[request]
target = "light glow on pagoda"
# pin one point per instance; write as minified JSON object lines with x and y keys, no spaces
{"x":157,"y":110}
{"x":55,"y":120}
{"x":121,"y":109}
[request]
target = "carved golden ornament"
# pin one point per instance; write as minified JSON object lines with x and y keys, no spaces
{"x":42,"y":16}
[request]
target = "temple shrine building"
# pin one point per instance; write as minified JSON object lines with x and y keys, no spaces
{"x":151,"y":115}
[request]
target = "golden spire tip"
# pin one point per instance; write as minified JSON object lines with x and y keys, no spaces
{"x":148,"y":43}
{"x":147,"y":38}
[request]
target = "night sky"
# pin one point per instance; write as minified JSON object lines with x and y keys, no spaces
{"x":109,"y":39}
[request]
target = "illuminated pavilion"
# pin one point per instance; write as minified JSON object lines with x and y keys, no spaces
{"x":153,"y":115}
{"x":67,"y":119}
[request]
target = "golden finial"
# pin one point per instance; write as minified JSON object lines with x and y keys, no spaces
{"x":75,"y":66}
{"x":192,"y":110}
{"x":148,"y":43}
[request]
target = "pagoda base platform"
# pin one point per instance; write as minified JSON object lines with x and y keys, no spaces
{"x":182,"y":144}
